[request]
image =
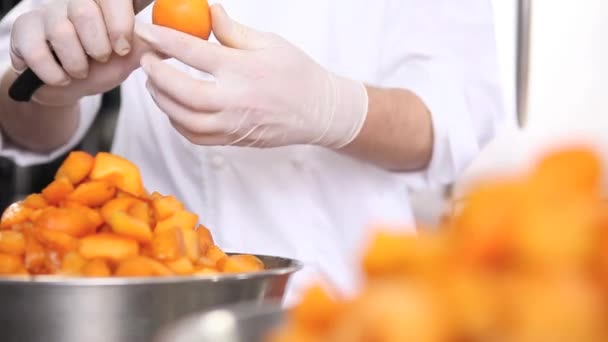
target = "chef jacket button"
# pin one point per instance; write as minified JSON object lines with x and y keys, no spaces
{"x":296,"y":163}
{"x":217,"y":161}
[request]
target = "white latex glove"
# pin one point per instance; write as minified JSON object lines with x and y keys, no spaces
{"x":265,"y":93}
{"x":76,"y":30}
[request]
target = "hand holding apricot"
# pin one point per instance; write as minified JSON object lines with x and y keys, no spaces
{"x":266,"y":93}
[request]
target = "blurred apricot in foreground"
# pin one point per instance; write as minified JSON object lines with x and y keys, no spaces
{"x":525,"y":259}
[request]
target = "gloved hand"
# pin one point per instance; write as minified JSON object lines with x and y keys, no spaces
{"x":265,"y":93}
{"x":76,"y":29}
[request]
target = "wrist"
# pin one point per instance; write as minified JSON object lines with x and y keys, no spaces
{"x":347,"y":112}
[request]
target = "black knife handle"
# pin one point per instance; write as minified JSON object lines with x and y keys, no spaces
{"x":26,"y":84}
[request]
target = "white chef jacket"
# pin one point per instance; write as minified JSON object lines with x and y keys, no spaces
{"x":306,"y":202}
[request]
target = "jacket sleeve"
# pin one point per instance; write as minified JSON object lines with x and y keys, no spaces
{"x":445,"y":52}
{"x":89,"y":106}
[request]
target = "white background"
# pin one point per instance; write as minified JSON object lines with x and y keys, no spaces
{"x":568,"y":61}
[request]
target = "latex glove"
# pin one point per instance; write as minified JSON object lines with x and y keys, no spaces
{"x":265,"y":92}
{"x":76,"y":30}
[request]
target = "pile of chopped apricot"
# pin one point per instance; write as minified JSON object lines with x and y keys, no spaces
{"x":96,"y":219}
{"x":524,"y":260}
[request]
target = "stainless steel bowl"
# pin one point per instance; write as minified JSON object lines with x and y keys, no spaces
{"x":53,"y":309}
{"x":245,"y":322}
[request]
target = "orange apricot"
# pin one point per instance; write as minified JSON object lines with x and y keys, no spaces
{"x":181,"y":266}
{"x":96,"y":268}
{"x":165,"y":206}
{"x":93,"y":193}
{"x":140,"y":266}
{"x":15,"y":214}
{"x":182,"y":219}
{"x":129,"y":226}
{"x":76,"y":167}
{"x":56,"y":240}
{"x":12,"y":242}
{"x":10,"y":263}
{"x":108,"y":246}
{"x":73,"y":263}
{"x":35,"y":201}
{"x":205,"y":239}
{"x":189,"y":16}
{"x":242,"y":264}
{"x":70,"y":221}
{"x":168,"y":244}
{"x":57,"y":190}
{"x":119,"y":171}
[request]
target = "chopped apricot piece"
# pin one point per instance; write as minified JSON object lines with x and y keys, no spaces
{"x":56,"y":240}
{"x":215,"y":254}
{"x":121,"y":172}
{"x":57,"y":191}
{"x":205,"y":271}
{"x":76,"y":167}
{"x":96,"y":268}
{"x":12,"y":242}
{"x":69,"y":221}
{"x":108,"y":246}
{"x":205,"y":239}
{"x":73,"y":263}
{"x":129,"y":226}
{"x":35,"y":214}
{"x":35,"y":201}
{"x":35,"y":255}
{"x":191,"y":244}
{"x":242,"y":264}
{"x":93,"y":193}
{"x":118,"y":204}
{"x":206,"y":262}
{"x":10,"y":263}
{"x":181,"y":219}
{"x":16,"y":213}
{"x":52,"y":262}
{"x":181,"y":266}
{"x":93,"y":215}
{"x":140,"y":266}
{"x":165,"y":206}
{"x":168,"y":245}
{"x":141,"y":211}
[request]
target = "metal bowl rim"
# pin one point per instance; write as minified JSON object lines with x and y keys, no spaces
{"x":294,"y":266}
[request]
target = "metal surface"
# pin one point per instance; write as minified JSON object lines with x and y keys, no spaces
{"x":523,"y":58}
{"x":245,"y":322}
{"x":52,"y":309}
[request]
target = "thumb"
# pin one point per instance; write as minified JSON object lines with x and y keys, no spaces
{"x":233,"y":34}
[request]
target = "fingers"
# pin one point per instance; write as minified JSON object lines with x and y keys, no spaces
{"x":233,"y":34}
{"x":200,"y":123}
{"x":88,"y":21}
{"x":29,"y":48}
{"x":61,"y":35}
{"x":195,"y":138}
{"x":105,"y":75}
{"x":196,"y":94}
{"x":197,"y":53}
{"x":119,"y":19}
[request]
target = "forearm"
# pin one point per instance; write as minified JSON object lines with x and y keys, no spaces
{"x":36,"y":127}
{"x":397,"y":134}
